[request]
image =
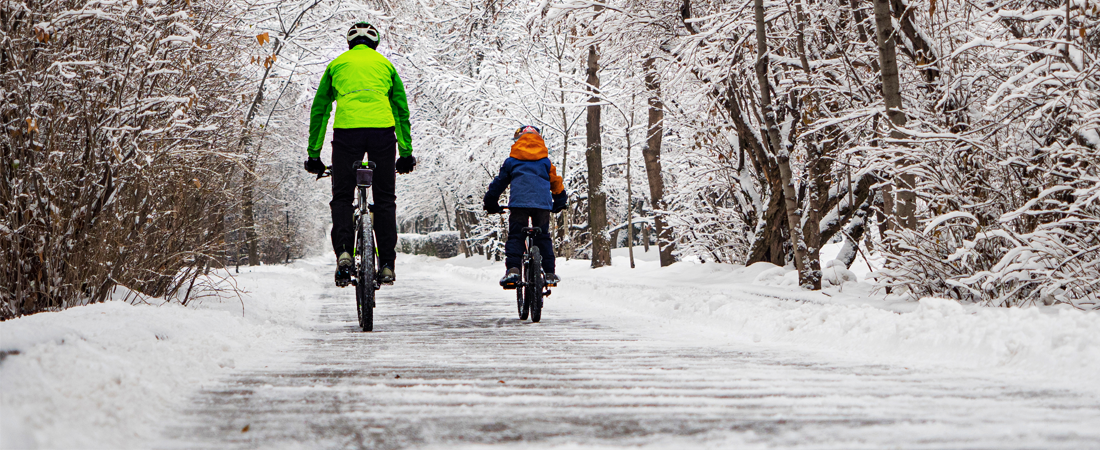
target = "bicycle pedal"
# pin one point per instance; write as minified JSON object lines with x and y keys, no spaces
{"x":509,"y":287}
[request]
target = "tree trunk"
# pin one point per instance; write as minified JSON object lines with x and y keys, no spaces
{"x":651,"y":152}
{"x":905,"y":198}
{"x":916,"y":44}
{"x":782,"y":156}
{"x":770,"y":232}
{"x":819,"y":168}
{"x":597,"y":199}
{"x":853,"y":232}
{"x":629,"y":194}
{"x":860,"y":20}
{"x":463,"y":231}
{"x":819,"y":158}
{"x":248,"y":215}
{"x":565,"y":235}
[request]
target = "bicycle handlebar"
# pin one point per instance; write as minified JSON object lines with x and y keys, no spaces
{"x":328,"y":169}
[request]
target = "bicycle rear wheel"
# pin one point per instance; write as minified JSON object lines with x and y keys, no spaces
{"x":521,"y":300}
{"x":534,"y":286}
{"x":364,"y":285}
{"x":521,"y":305}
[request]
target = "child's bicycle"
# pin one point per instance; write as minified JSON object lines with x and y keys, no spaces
{"x":366,"y":267}
{"x":532,"y":286}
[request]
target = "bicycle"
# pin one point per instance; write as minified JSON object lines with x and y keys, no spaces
{"x":532,"y":287}
{"x":366,"y":266}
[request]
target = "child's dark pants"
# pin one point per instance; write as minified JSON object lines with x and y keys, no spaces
{"x":514,"y":248}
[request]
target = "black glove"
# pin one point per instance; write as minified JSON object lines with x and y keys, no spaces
{"x":493,"y":207}
{"x":315,"y":166}
{"x":560,"y":200}
{"x":405,"y":164}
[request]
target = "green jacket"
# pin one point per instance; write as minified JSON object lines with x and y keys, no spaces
{"x":368,"y":94}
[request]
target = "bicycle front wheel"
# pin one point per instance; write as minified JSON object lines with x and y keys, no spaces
{"x":521,"y":303}
{"x":364,"y":297}
{"x":364,"y":285}
{"x":534,"y":286}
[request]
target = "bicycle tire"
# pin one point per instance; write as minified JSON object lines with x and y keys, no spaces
{"x":363,"y":294}
{"x":364,"y":286}
{"x":521,"y":299}
{"x":535,"y":285}
{"x":359,"y":300}
{"x":520,"y":305}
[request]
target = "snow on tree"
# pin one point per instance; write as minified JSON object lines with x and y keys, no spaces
{"x":120,"y":136}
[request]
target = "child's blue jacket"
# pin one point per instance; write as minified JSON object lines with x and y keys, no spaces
{"x":529,"y":171}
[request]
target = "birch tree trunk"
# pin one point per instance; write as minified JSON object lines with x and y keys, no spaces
{"x":597,"y":199}
{"x":651,"y":152}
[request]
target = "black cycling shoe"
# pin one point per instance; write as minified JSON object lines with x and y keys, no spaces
{"x":551,"y":279}
{"x":386,"y":276}
{"x":510,"y":278}
{"x":344,"y":266}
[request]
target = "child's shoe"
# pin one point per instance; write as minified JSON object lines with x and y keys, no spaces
{"x":510,"y":278}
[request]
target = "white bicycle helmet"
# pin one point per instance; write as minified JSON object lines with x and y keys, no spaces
{"x":364,"y":31}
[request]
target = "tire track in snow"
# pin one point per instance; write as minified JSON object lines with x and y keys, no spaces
{"x":450,"y":364}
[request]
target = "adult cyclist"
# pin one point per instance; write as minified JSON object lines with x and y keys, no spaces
{"x":372,"y":118}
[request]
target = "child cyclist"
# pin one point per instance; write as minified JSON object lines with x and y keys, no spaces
{"x":536,"y":191}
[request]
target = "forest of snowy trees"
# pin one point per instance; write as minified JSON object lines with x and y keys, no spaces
{"x":147,"y":142}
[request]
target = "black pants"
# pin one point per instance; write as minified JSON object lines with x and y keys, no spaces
{"x":348,"y":147}
{"x":514,"y":248}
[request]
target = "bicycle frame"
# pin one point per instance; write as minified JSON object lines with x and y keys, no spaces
{"x":365,"y":247}
{"x":363,"y":219}
{"x":531,"y":288}
{"x":528,"y":243}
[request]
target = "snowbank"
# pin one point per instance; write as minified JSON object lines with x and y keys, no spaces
{"x":108,"y":375}
{"x":762,"y":304}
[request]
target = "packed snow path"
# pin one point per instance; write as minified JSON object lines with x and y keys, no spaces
{"x":451,"y":365}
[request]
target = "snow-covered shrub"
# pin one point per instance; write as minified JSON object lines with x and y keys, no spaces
{"x":441,"y":244}
{"x":1007,"y":153}
{"x":444,"y":243}
{"x":835,"y":274}
{"x":1057,"y":262}
{"x":119,"y":129}
{"x":411,"y":243}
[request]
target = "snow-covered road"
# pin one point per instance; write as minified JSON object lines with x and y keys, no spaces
{"x":450,"y":365}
